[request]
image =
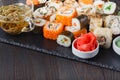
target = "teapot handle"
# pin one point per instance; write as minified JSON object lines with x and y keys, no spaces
{"x":30,"y":27}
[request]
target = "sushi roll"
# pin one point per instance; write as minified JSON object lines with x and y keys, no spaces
{"x":95,"y":22}
{"x":85,"y":2}
{"x":104,"y":37}
{"x":113,"y":22}
{"x":65,"y":38}
{"x":53,"y":18}
{"x":99,"y":6}
{"x":35,"y":2}
{"x":55,"y":4}
{"x":52,"y":30}
{"x":40,"y":12}
{"x":42,"y":1}
{"x":75,"y":30}
{"x":65,"y":15}
{"x":88,"y":10}
{"x":44,"y":12}
{"x":81,"y":21}
{"x":109,"y":7}
{"x":71,"y":3}
{"x":39,"y":23}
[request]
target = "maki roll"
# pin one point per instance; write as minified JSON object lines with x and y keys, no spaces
{"x":104,"y":37}
{"x":65,"y":38}
{"x":99,"y":6}
{"x":44,"y":12}
{"x":95,"y":22}
{"x":55,"y":4}
{"x":75,"y":30}
{"x":80,"y":22}
{"x":71,"y":3}
{"x":113,"y":22}
{"x":88,"y":10}
{"x":52,"y":30}
{"x":85,"y":2}
{"x":39,"y":23}
{"x":109,"y":7}
{"x":65,"y":15}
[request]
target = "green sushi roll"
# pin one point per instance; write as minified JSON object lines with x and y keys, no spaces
{"x":109,"y":8}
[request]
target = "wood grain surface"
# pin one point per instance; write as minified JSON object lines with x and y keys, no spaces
{"x":17,"y":63}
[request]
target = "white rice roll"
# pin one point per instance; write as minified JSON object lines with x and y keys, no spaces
{"x":40,"y":12}
{"x":39,"y":23}
{"x":99,"y":6}
{"x":104,"y":36}
{"x":109,"y":7}
{"x":72,"y":28}
{"x":76,"y":22}
{"x":42,"y":1}
{"x":54,"y":4}
{"x":52,"y":17}
{"x":65,"y":39}
{"x":80,"y":21}
{"x":95,"y":22}
{"x":86,"y":10}
{"x":113,"y":22}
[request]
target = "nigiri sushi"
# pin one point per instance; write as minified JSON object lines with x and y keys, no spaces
{"x":113,"y":22}
{"x":104,"y":37}
{"x":52,"y":30}
{"x":65,"y":38}
{"x":65,"y":15}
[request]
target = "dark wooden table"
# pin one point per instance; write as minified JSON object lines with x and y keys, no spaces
{"x":18,"y":63}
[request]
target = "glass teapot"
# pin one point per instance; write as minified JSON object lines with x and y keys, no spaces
{"x":16,"y":16}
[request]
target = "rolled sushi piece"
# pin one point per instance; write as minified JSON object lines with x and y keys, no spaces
{"x":44,"y":12}
{"x":88,"y":10}
{"x":81,"y":21}
{"x":51,"y":30}
{"x":75,"y":30}
{"x":104,"y":37}
{"x":65,"y":38}
{"x":98,"y":4}
{"x":65,"y":15}
{"x":109,"y":7}
{"x":95,"y":22}
{"x":55,"y":3}
{"x":39,"y":23}
{"x":71,"y":3}
{"x":113,"y":22}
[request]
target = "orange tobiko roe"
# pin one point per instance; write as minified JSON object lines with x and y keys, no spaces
{"x":86,"y":42}
{"x":86,"y":1}
{"x":35,"y":2}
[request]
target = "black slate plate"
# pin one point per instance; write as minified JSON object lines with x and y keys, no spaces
{"x":106,"y":58}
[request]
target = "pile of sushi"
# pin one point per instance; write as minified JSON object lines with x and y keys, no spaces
{"x":65,"y":20}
